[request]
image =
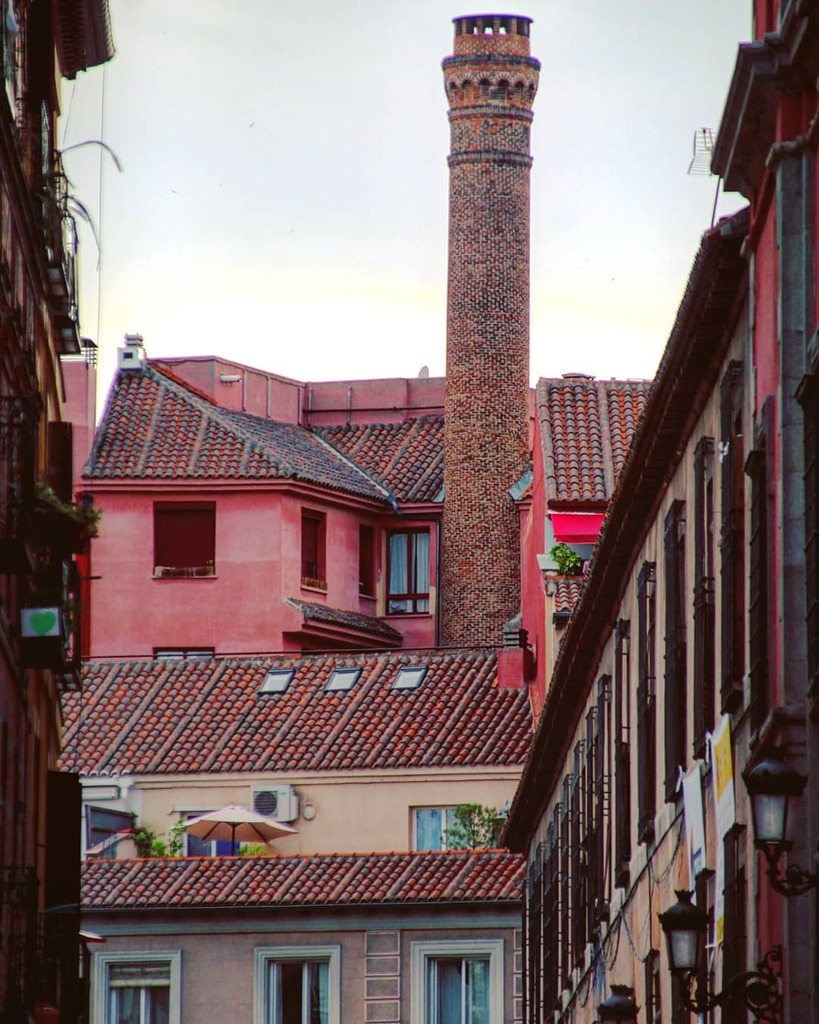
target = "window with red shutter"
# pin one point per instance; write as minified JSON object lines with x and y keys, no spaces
{"x":184,"y":538}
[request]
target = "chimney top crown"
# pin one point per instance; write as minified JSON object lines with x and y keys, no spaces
{"x":492,"y":33}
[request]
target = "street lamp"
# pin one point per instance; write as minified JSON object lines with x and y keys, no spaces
{"x":771,"y":783}
{"x":685,"y":927}
{"x":619,"y":1006}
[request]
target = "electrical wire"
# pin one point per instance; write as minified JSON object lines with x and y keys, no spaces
{"x":68,"y":112}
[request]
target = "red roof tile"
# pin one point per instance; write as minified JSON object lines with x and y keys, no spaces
{"x":203,"y":715}
{"x":329,"y":880}
{"x":586,"y":430}
{"x":157,"y":427}
{"x":357,"y":621}
{"x":407,"y":458}
{"x":566,"y":590}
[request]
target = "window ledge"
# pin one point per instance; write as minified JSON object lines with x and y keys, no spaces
{"x":308,"y":583}
{"x":164,"y":572}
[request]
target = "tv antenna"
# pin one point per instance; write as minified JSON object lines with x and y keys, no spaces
{"x":700,"y":165}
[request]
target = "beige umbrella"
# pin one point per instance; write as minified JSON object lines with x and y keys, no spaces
{"x":237,"y":825}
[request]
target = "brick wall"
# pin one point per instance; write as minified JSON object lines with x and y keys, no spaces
{"x":490,"y":83}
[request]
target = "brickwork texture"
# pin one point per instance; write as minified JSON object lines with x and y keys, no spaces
{"x":490,"y":83}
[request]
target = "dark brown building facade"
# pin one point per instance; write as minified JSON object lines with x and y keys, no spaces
{"x":490,"y":81}
{"x":40,"y":528}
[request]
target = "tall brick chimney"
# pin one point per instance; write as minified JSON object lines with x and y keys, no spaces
{"x":490,"y":81}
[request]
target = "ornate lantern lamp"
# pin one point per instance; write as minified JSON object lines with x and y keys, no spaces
{"x":685,"y":927}
{"x":619,"y":1006}
{"x":771,"y":784}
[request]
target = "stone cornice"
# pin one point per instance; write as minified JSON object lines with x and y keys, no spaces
{"x":781,"y":63}
{"x":493,"y":156}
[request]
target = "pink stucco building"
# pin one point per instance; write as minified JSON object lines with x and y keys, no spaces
{"x":246,"y":513}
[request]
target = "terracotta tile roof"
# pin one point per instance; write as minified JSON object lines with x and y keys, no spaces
{"x":202,"y":715}
{"x":566,"y":591}
{"x":586,"y":430}
{"x":312,"y":610}
{"x":157,"y":427}
{"x":330,"y":880}
{"x":83,"y":35}
{"x":407,"y":458}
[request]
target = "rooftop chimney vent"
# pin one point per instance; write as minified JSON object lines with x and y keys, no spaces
{"x":132,"y":355}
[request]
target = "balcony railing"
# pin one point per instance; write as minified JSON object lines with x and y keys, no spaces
{"x":18,"y":914}
{"x":18,"y":426}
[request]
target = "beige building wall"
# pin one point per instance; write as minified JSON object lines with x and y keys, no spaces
{"x":339,"y":812}
{"x":631,"y":933}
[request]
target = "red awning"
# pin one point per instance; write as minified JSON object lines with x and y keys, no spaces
{"x":576,"y":527}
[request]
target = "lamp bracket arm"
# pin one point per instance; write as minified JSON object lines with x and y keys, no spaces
{"x":758,"y":990}
{"x":794,"y":880}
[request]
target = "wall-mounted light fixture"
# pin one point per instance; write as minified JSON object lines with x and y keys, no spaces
{"x":619,"y":1006}
{"x":771,"y":783}
{"x":685,"y":927}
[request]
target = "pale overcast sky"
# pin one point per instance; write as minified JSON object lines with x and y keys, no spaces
{"x":283,"y":197}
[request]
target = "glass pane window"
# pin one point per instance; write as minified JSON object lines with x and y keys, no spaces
{"x":457,"y":990}
{"x":408,"y":575}
{"x":139,"y":993}
{"x":433,"y":826}
{"x":298,"y":992}
{"x":103,"y":823}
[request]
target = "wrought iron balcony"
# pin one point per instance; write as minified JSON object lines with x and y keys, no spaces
{"x":18,"y":975}
{"x":18,"y":428}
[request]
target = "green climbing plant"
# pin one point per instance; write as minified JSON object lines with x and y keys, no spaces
{"x":148,"y":843}
{"x":569,"y":563}
{"x":474,"y":827}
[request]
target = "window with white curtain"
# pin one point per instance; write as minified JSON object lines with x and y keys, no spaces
{"x":408,"y":572}
{"x":457,"y":990}
{"x":297,"y":985}
{"x":457,"y":982}
{"x":137,"y":987}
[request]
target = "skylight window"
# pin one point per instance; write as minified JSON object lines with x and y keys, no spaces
{"x":342,"y":679}
{"x":179,"y":653}
{"x":276,"y":681}
{"x":409,"y":677}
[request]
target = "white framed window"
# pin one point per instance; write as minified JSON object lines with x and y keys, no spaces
{"x":456,"y":982}
{"x":431,"y":828}
{"x":137,"y":987}
{"x":297,"y":985}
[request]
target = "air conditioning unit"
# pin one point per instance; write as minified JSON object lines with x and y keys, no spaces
{"x":279,"y":802}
